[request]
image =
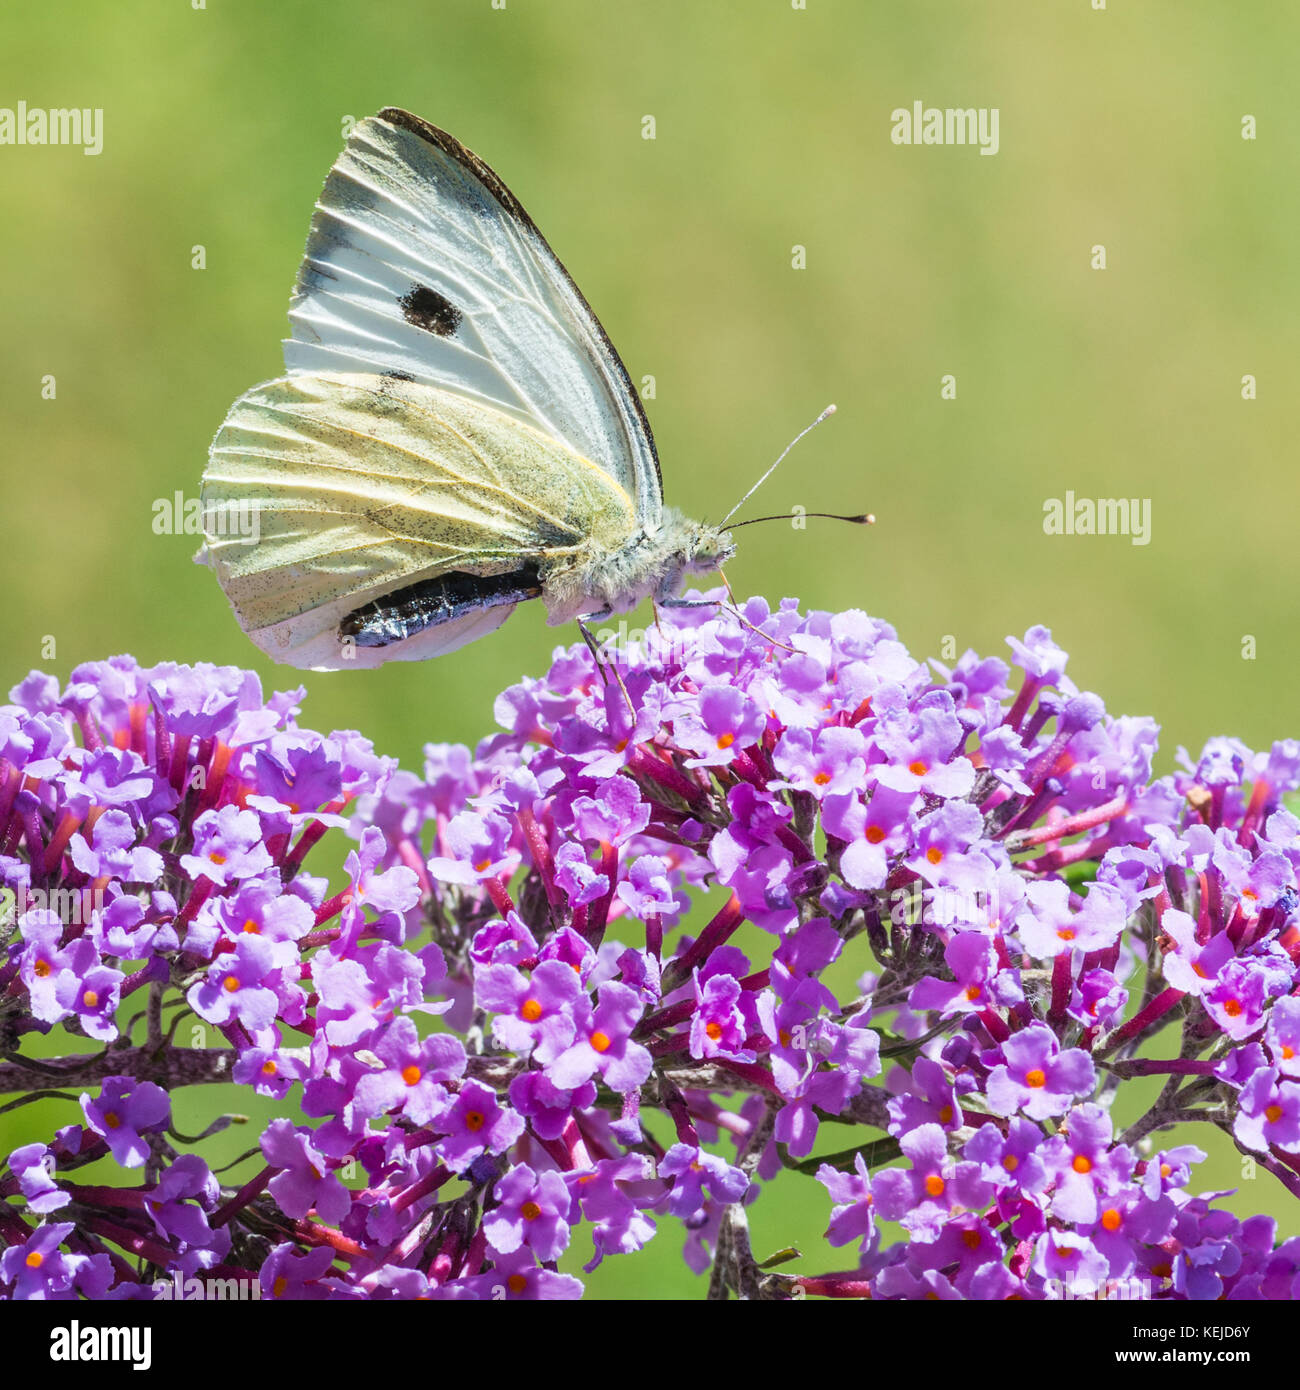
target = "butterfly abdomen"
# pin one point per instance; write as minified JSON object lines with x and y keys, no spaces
{"x":432,"y":602}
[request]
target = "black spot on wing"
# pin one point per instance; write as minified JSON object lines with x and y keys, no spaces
{"x":395,"y":375}
{"x":427,"y":309}
{"x":431,"y":602}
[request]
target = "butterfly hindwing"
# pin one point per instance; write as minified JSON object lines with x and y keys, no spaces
{"x":421,"y":263}
{"x":325,"y":493}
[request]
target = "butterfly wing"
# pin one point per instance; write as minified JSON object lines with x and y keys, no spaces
{"x":422,"y":263}
{"x":325,"y":493}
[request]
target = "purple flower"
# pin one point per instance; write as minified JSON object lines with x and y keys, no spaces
{"x":234,"y":986}
{"x":692,"y":1170}
{"x":532,"y":1212}
{"x":1283,"y":1035}
{"x":43,"y":966}
{"x":1048,"y":925}
{"x":929,"y":1098}
{"x":727,"y":722}
{"x":304,"y":1181}
{"x":921,"y":1197}
{"x":977,"y":983}
{"x":532,"y":1013}
{"x":720,"y":1023}
{"x":920,"y":754}
{"x":852,"y":1216}
{"x":1269,"y":1113}
{"x":33,"y":1165}
{"x":478,"y":847}
{"x":946,"y":852}
{"x":875,"y":833}
{"x":613,"y":815}
{"x":1010,"y":1160}
{"x":38,"y":1269}
{"x":822,"y":763}
{"x":228,"y":847}
{"x":123,"y":1113}
{"x":648,"y":891}
{"x":290,"y":1274}
{"x":603,"y":1044}
{"x":410,"y":1074}
{"x":601,"y":1195}
{"x":111,"y":851}
{"x":476,"y":1123}
{"x":1036,"y":1077}
{"x":574,"y":874}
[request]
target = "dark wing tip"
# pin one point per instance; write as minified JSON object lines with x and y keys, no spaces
{"x":466,"y":158}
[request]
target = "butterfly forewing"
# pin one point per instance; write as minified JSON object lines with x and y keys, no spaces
{"x":422,"y":264}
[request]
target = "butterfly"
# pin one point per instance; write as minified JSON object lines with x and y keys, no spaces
{"x":454,"y":435}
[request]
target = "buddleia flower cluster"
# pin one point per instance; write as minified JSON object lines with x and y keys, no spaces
{"x":759,"y":900}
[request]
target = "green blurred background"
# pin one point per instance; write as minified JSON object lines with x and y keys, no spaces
{"x":1119,"y":127}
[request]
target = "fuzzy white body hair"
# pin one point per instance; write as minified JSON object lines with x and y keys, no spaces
{"x":595,"y":579}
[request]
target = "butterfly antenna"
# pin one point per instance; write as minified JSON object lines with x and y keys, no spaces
{"x":830,"y":410}
{"x":862,"y":519}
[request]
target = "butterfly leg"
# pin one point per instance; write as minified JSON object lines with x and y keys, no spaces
{"x":602,"y":665}
{"x":733,"y":607}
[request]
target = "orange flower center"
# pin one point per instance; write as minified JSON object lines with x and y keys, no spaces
{"x":918,"y":768}
{"x":1273,"y":1114}
{"x":530,"y":1211}
{"x":230,"y":984}
{"x":600,"y":1041}
{"x":1082,"y":1163}
{"x":1036,"y":1079}
{"x":934,"y":854}
{"x":714,"y":1030}
{"x":474,"y":1120}
{"x":934,"y":1185}
{"x":874,"y":834}
{"x":411,"y":1074}
{"x":1111,"y":1219}
{"x":530,"y":1011}
{"x":726,"y":740}
{"x":822,"y":778}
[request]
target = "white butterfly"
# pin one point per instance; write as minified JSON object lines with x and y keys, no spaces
{"x":455,"y":433}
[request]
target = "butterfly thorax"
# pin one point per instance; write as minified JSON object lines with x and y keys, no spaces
{"x":652,"y":562}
